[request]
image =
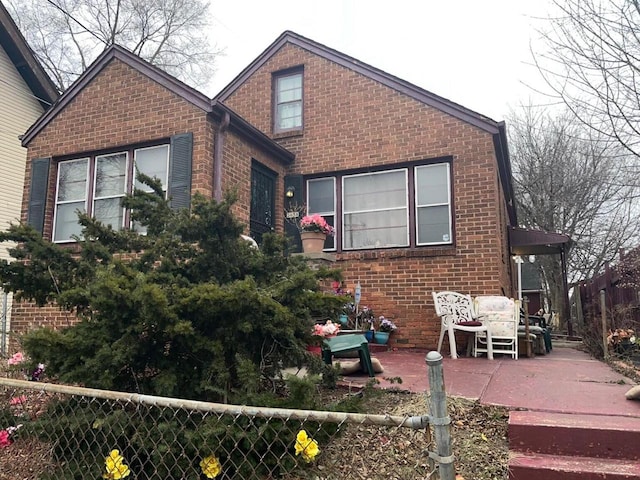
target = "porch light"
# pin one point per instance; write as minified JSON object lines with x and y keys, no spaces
{"x":291,"y":191}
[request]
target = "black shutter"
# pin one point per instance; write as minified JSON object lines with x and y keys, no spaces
{"x":180,"y":165}
{"x":38,"y":193}
{"x":296,"y":183}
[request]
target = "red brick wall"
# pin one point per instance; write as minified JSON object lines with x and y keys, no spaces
{"x":237,"y":175}
{"x":351,"y":121}
{"x":121,"y":107}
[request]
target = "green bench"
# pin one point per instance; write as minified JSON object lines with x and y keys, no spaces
{"x":348,"y":343}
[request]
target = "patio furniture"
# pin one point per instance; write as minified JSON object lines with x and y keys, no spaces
{"x":502,"y":316}
{"x":456,"y":313}
{"x":348,"y":343}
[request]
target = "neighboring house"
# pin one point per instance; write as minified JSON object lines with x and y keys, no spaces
{"x":418,"y":187}
{"x":25,"y":92}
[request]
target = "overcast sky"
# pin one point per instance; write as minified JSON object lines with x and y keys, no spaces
{"x":475,"y":53}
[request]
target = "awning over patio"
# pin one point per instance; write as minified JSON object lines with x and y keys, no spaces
{"x":537,"y":242}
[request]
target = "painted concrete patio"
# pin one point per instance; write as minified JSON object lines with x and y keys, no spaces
{"x":565,"y":381}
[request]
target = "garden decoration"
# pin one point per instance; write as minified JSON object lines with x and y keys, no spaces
{"x":313,"y":233}
{"x":385,"y":328}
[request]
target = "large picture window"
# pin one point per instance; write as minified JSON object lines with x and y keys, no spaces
{"x":375,"y":210}
{"x":101,"y":196}
{"x":391,"y":208}
{"x":288,"y":102}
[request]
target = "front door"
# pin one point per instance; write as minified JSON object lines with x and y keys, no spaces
{"x":263,"y":187}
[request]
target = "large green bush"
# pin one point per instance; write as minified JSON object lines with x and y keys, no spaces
{"x":189,"y":309}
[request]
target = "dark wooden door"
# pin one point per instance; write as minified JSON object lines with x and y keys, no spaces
{"x":263,"y":187}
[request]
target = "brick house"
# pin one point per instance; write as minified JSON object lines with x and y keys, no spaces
{"x":417,"y":187}
{"x":25,"y":92}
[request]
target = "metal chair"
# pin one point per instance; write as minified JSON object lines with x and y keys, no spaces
{"x":502,"y":316}
{"x":456,"y":313}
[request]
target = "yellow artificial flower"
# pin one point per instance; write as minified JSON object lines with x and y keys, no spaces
{"x":116,"y":469}
{"x":307,"y":446}
{"x":211,"y":466}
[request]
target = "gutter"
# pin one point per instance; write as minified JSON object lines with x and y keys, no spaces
{"x":218,"y":149}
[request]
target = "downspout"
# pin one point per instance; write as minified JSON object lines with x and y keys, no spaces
{"x":218,"y":149}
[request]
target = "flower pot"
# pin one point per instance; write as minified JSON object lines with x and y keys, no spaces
{"x":381,"y":337}
{"x":315,"y":349}
{"x":368,"y":334}
{"x":343,"y":319}
{"x":312,"y":242}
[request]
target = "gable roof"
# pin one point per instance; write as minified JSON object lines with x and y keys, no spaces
{"x":25,"y":62}
{"x":168,"y":81}
{"x":497,"y":129}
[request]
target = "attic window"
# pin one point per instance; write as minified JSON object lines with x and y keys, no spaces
{"x":287,"y":113}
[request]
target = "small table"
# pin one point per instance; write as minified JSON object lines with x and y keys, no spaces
{"x":345,"y":343}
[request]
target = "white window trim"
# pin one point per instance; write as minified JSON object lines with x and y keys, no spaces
{"x":334,"y":213}
{"x":95,"y":180}
{"x":165,"y":180}
{"x":276,"y":110}
{"x":65,"y":202}
{"x":406,"y":208}
{"x":448,"y":203}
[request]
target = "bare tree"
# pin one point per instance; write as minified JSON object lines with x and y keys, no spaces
{"x":67,"y":35}
{"x":572,"y":180}
{"x":592,"y":64}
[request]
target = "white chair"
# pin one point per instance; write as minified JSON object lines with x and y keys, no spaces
{"x":456,"y":313}
{"x":502,"y":316}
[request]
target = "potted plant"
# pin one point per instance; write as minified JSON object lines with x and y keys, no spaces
{"x":313,"y":232}
{"x":320,"y":332}
{"x":385,"y":328}
{"x":365,"y":320}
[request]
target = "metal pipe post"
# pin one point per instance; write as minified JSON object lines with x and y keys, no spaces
{"x":439,"y":417}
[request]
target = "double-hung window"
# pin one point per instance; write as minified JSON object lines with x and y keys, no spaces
{"x":287,"y":102}
{"x":321,"y":199}
{"x":97,"y":184}
{"x":399,"y":207}
{"x":110,"y":184}
{"x":71,"y":195}
{"x":433,"y":204}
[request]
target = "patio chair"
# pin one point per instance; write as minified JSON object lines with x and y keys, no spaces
{"x":456,"y":313}
{"x":502,"y":316}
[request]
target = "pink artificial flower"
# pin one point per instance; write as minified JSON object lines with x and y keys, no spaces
{"x":18,"y":400}
{"x":16,"y":359}
{"x":5,"y":441}
{"x":316,"y":223}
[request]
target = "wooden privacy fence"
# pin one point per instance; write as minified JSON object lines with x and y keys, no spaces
{"x":621,"y":303}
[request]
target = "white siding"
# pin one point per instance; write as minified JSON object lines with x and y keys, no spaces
{"x":18,"y":111}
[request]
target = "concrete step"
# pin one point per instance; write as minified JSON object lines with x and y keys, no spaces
{"x":562,"y":434}
{"x":555,"y":467}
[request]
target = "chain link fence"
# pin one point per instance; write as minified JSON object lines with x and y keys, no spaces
{"x":78,"y":433}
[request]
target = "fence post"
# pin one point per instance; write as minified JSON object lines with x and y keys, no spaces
{"x":603,"y":313}
{"x":439,"y":417}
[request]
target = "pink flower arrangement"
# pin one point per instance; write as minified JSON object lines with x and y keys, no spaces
{"x":16,"y":359}
{"x":5,"y":441}
{"x":326,"y":330}
{"x":5,"y":436}
{"x":316,"y":223}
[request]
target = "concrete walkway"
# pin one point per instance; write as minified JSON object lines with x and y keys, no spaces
{"x":565,"y":381}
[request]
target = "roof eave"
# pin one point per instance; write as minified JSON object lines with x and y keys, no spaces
{"x":244,"y":128}
{"x":25,"y":61}
{"x":117,"y":52}
{"x":402,"y":86}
